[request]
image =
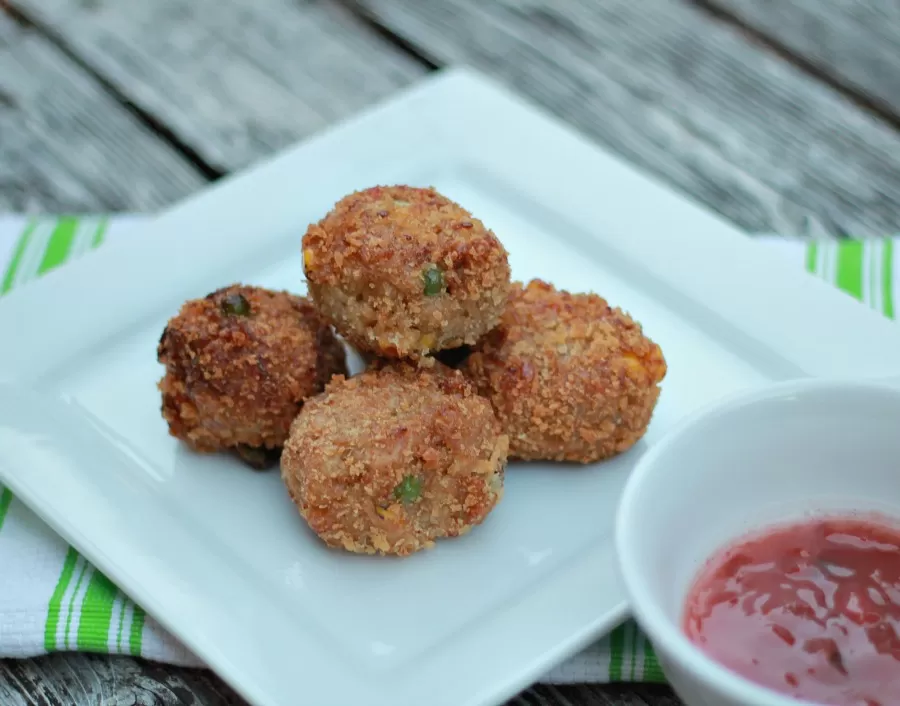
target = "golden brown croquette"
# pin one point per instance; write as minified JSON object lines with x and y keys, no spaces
{"x":239,"y":365}
{"x":402,"y":271}
{"x":570,"y":378}
{"x":394,"y":458}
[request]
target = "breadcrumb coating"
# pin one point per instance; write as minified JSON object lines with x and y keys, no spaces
{"x":570,"y":378}
{"x":392,"y":459}
{"x":402,"y":272}
{"x":239,"y":365}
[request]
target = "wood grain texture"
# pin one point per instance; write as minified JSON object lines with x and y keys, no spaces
{"x":597,"y":695}
{"x":91,"y":680}
{"x":236,"y":80}
{"x":857,"y":42}
{"x":686,"y":98}
{"x":66,"y":145}
{"x":74,"y":679}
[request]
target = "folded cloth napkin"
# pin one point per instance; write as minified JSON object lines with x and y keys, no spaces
{"x":52,"y":599}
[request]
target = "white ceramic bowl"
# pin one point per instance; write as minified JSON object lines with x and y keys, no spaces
{"x":776,"y":454}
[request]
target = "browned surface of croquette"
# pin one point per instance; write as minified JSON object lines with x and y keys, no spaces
{"x":570,"y":378}
{"x":352,"y":449}
{"x":241,"y":380}
{"x":366,"y":264}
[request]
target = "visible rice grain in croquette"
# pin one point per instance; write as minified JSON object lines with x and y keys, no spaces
{"x":240,"y":363}
{"x":570,"y":378}
{"x":394,"y":458}
{"x":402,"y":271}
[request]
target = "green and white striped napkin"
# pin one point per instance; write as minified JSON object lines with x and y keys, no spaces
{"x":51,"y":599}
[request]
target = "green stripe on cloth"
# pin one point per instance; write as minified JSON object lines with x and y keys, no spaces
{"x":812,"y":257}
{"x":96,"y":614}
{"x":100,"y":233}
{"x":54,"y":609}
{"x":57,"y":250}
{"x":633,"y":653}
{"x":887,"y":273}
{"x":652,"y":671}
{"x":123,"y":605}
{"x":136,"y":634}
{"x":5,"y":501}
{"x":13,"y":266}
{"x":85,"y":567}
{"x":850,"y":268}
{"x":616,"y":653}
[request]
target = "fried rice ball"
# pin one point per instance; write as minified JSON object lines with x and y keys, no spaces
{"x":394,"y":458}
{"x":239,"y":365}
{"x":570,"y":378}
{"x":402,"y":271}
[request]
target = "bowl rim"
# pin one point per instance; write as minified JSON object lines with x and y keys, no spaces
{"x":661,"y":630}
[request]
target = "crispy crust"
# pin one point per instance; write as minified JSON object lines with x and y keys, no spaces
{"x":570,"y":378}
{"x":240,"y":380}
{"x":351,"y":447}
{"x":365,"y":264}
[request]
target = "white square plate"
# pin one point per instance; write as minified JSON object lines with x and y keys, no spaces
{"x":220,"y":556}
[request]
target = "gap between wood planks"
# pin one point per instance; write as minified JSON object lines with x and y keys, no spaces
{"x":714,"y":10}
{"x":167,"y":135}
{"x":388,"y":35}
{"x":212,"y":172}
{"x":873,"y":105}
{"x":158,"y":128}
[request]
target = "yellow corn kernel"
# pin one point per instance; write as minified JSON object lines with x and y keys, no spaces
{"x":655,"y":365}
{"x":427,"y":340}
{"x":308,"y":259}
{"x":388,"y":513}
{"x":634,"y":367}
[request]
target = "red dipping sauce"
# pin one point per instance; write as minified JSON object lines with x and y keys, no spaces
{"x":811,"y":610}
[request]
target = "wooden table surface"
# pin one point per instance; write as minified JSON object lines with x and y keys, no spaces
{"x":782,"y":115}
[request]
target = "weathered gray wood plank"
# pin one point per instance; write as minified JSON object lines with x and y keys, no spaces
{"x":855,"y":41}
{"x":597,"y":695}
{"x":92,"y":680}
{"x":65,"y":145}
{"x":74,"y":679}
{"x":687,"y":98}
{"x":235,"y":80}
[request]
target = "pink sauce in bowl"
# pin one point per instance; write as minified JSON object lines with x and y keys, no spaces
{"x":811,"y":610}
